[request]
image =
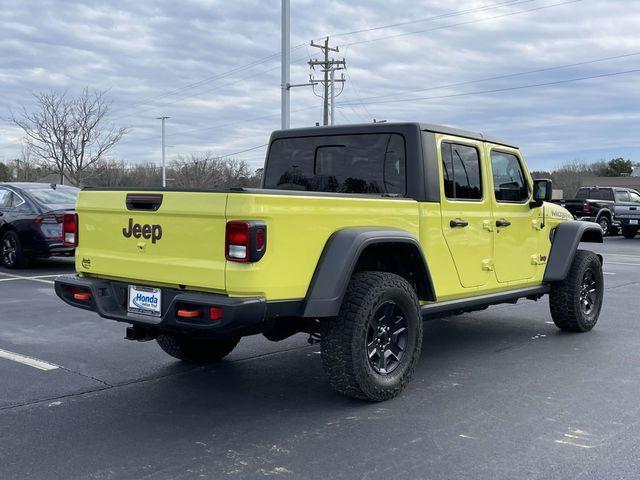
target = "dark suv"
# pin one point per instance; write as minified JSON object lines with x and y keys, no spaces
{"x":31,"y":216}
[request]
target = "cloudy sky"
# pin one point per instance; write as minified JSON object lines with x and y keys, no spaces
{"x":558,"y":77}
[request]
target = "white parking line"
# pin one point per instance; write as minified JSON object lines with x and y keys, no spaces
{"x":622,"y":263}
{"x":32,"y":362}
{"x":621,"y":255}
{"x":36,"y":278}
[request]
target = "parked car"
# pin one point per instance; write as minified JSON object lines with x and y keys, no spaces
{"x":31,"y":216}
{"x":359,"y":233}
{"x":597,"y":204}
{"x":628,"y":213}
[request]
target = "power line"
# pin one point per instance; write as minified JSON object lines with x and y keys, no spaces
{"x":435,"y":17}
{"x":219,"y":87}
{"x":507,"y":89}
{"x":355,"y":89}
{"x":209,"y":79}
{"x":496,"y":77}
{"x":441,"y":27}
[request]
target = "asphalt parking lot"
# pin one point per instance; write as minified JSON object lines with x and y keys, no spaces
{"x":498,"y":394}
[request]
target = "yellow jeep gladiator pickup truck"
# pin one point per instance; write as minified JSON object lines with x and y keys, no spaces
{"x":358,"y":234}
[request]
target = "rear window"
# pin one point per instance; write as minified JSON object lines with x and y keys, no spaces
{"x":594,"y":194}
{"x":47,"y":195}
{"x":366,"y":163}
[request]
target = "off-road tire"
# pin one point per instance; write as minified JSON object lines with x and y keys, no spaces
{"x":565,"y":302}
{"x":197,"y":351}
{"x":17,"y":258}
{"x":605,"y":225}
{"x":344,"y":338}
{"x":629,"y":232}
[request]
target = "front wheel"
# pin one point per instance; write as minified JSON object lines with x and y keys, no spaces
{"x":369,"y":351}
{"x":197,"y":351}
{"x":576,"y":301}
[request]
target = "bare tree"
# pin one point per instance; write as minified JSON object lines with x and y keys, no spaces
{"x":68,"y":135}
{"x":208,"y":171}
{"x":25,"y":169}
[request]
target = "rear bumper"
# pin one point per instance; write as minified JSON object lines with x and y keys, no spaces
{"x":630,"y":222}
{"x":109,"y":299}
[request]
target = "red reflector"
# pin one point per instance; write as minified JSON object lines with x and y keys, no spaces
{"x":259,"y":238}
{"x":84,"y":296}
{"x":184,"y":313}
{"x":215,"y":313}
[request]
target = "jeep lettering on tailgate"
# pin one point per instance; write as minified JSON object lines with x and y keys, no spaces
{"x":146,"y":231}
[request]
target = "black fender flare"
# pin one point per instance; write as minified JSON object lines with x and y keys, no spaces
{"x":604,"y":211}
{"x":566,"y":238}
{"x":338,"y":261}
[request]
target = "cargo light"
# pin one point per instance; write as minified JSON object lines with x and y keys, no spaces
{"x":70,"y":229}
{"x":245,"y":241}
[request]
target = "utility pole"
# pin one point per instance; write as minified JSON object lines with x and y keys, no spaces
{"x":328,"y":66}
{"x":286,"y":65}
{"x":164,"y":166}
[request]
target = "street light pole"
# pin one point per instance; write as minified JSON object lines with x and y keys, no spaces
{"x":333,"y":96}
{"x":164,"y":166}
{"x":286,"y":64}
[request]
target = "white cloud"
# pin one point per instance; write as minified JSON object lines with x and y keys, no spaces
{"x":190,"y":61}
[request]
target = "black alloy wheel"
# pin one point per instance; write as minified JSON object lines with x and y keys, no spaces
{"x":9,"y":250}
{"x":387,"y":338}
{"x":588,"y":292}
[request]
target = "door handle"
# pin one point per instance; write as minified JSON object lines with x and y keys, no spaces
{"x":458,"y":223}
{"x":502,"y":223}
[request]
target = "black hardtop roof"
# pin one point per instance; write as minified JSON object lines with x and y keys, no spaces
{"x":386,"y":126}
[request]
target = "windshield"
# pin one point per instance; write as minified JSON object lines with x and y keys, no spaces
{"x":47,"y":195}
{"x":365,"y":163}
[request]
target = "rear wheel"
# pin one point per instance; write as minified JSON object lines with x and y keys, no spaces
{"x":576,"y":301}
{"x":11,"y":255}
{"x":369,"y":351}
{"x":629,"y":232}
{"x":605,"y":224}
{"x":197,"y":351}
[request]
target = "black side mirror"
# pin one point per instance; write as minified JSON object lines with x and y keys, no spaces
{"x":542,"y":191}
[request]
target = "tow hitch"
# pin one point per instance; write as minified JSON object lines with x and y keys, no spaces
{"x":141,"y":334}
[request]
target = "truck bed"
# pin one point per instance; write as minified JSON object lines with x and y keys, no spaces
{"x":191,"y":251}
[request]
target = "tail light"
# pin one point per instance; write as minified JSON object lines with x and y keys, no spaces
{"x":48,"y":218}
{"x":245,"y":241}
{"x":70,"y":229}
{"x":585,"y":207}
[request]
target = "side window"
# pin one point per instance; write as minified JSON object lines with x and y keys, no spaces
{"x":634,"y":197}
{"x":509,"y":184}
{"x":16,"y":200}
{"x":6,"y":198}
{"x":622,"y":196}
{"x":461,"y":171}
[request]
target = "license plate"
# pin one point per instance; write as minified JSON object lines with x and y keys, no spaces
{"x":633,"y":222}
{"x":145,"y":300}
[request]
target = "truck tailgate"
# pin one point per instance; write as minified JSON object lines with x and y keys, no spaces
{"x":179,"y":243}
{"x":628,"y":211}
